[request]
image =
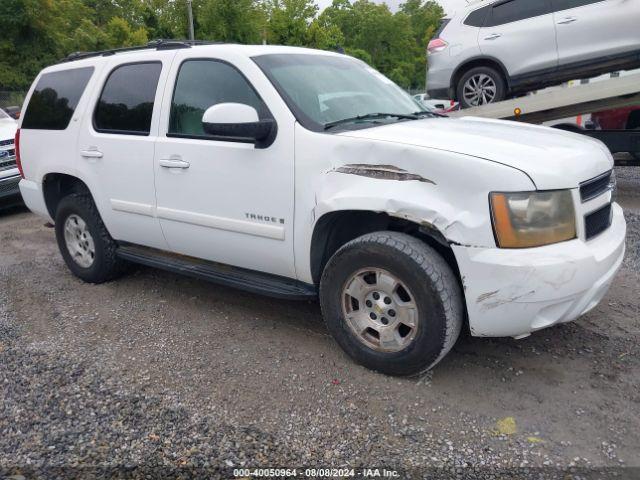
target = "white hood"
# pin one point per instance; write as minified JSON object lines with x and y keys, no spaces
{"x":553,"y":159}
{"x":8,"y":128}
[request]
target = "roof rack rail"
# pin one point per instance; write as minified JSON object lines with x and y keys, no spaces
{"x":159,"y":44}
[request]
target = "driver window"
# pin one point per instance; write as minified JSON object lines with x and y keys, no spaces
{"x":202,"y":84}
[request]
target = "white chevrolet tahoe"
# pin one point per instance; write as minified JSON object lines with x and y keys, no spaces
{"x":296,"y":173}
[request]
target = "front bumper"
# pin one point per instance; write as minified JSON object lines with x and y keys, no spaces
{"x":511,"y":293}
{"x":9,"y":185}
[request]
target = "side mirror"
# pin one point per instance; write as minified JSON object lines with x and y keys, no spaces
{"x":236,"y":122}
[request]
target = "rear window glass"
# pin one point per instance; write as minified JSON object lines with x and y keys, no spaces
{"x":516,"y":10}
{"x":443,"y":24}
{"x":55,"y":98}
{"x":477,"y":17}
{"x":127,"y":99}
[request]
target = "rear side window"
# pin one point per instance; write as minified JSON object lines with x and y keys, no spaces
{"x":126,"y":103}
{"x":202,"y":84}
{"x":559,"y":5}
{"x":478,"y":17}
{"x":443,"y":24}
{"x":55,"y":98}
{"x":516,"y":10}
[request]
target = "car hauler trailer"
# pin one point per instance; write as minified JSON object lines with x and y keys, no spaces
{"x":554,"y":104}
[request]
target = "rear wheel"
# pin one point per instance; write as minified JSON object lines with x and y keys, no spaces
{"x":480,"y":86}
{"x":392,"y":303}
{"x":84,"y":242}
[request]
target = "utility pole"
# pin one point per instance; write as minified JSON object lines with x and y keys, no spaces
{"x":190,"y":12}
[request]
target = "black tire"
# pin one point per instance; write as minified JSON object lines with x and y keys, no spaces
{"x":434,"y":285}
{"x":495,"y":75}
{"x":106,"y":265}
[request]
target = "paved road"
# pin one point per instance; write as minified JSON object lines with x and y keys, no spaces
{"x":160,"y":370}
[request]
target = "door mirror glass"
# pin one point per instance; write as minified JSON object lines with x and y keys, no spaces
{"x":238,"y":122}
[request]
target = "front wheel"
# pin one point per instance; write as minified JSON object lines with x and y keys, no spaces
{"x":481,"y":86}
{"x":392,"y":303}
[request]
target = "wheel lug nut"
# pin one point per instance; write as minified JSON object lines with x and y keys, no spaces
{"x":376,"y":296}
{"x":392,"y":313}
{"x":373,"y":316}
{"x":385,"y":321}
{"x":368,"y":303}
{"x":387,"y":300}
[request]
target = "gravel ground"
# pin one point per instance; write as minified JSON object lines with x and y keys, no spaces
{"x":157,"y":376}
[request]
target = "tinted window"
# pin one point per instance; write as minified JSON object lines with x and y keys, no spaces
{"x":478,"y":17}
{"x":55,"y":98}
{"x":517,"y":10}
{"x":567,"y":4}
{"x":126,"y":103}
{"x":443,"y":24}
{"x":202,"y":84}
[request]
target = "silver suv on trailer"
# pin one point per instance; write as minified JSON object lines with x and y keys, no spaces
{"x":484,"y":53}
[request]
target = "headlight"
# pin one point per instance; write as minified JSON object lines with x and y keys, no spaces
{"x":533,"y":219}
{"x":613,"y":185}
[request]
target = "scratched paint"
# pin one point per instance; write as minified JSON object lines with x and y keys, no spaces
{"x":382,"y":172}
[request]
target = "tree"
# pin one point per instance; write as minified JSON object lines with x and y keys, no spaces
{"x":323,"y":37}
{"x":241,"y":21}
{"x":425,"y":19}
{"x":289,"y":20}
{"x":373,"y":28}
{"x":120,"y":34}
{"x":37,"y":33}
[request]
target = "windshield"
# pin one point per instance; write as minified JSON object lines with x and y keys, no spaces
{"x":323,"y":90}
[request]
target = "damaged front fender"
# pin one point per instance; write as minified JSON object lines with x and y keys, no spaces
{"x":437,"y":190}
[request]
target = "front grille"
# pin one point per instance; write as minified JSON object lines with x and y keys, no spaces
{"x":8,"y":163}
{"x":9,"y":186}
{"x":597,"y":222}
{"x":595,"y":187}
{"x":6,"y":142}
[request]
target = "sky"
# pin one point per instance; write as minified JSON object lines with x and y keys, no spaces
{"x":448,"y":5}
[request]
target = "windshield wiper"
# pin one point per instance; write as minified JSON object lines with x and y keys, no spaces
{"x":428,"y":113}
{"x":371,"y":116}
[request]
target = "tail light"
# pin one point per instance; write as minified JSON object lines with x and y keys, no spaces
{"x":437,"y":45}
{"x":16,"y":145}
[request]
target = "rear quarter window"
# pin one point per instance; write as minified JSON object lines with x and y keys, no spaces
{"x":443,"y":24}
{"x":55,"y":98}
{"x":478,"y":17}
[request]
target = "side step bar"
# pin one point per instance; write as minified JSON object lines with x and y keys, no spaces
{"x":255,"y":282}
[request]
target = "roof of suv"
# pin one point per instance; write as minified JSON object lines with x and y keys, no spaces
{"x":156,"y":45}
